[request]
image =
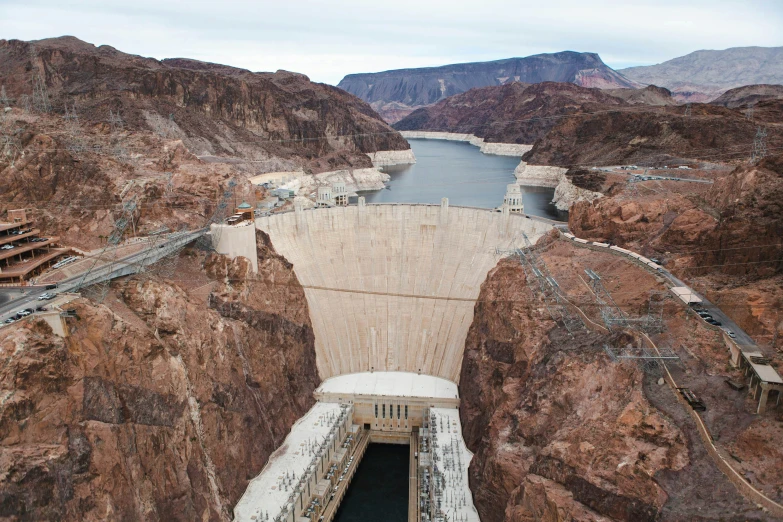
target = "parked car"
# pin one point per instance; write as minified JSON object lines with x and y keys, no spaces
{"x":50,"y":287}
{"x":41,"y":309}
{"x":9,"y":320}
{"x":23,"y":313}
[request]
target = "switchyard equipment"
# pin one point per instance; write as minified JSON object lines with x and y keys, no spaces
{"x":614,"y":318}
{"x":650,"y":362}
{"x":444,"y":494}
{"x":540,"y":279}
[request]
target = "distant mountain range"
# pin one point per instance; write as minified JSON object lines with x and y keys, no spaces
{"x":395,"y":94}
{"x":702,"y":76}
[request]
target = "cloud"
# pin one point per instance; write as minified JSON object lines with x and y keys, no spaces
{"x":327,"y":40}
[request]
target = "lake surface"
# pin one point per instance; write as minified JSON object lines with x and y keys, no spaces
{"x":460,"y":172}
{"x":379,"y":490}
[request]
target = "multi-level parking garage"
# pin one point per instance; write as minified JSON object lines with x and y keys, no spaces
{"x":391,"y":291}
{"x":22,"y":252}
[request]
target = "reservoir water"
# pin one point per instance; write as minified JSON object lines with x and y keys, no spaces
{"x":379,"y":490}
{"x":460,"y":172}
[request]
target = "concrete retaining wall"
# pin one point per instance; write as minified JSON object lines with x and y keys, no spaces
{"x":383,"y":158}
{"x":236,"y":241}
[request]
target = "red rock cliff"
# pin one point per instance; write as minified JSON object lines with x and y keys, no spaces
{"x":162,"y":410}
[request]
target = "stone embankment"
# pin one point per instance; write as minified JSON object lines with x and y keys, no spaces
{"x":355,"y":180}
{"x":385,"y":158}
{"x":498,"y":149}
{"x":538,"y":175}
{"x":566,"y":193}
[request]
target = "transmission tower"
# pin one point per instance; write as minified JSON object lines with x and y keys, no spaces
{"x":109,"y":253}
{"x":207,"y":242}
{"x":539,"y":279}
{"x":610,"y":312}
{"x":74,"y":130}
{"x":687,"y":110}
{"x":8,"y":147}
{"x":117,"y":125}
{"x":27,"y":105}
{"x":759,"y":145}
{"x":115,"y":121}
{"x":749,"y":112}
{"x":4,"y":98}
{"x":40,"y":94}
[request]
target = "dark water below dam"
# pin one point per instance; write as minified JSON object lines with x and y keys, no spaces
{"x":379,"y":490}
{"x":460,"y":172}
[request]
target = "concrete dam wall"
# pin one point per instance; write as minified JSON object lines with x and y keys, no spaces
{"x":392,"y":287}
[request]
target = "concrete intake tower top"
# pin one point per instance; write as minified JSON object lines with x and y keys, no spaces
{"x":392,"y":287}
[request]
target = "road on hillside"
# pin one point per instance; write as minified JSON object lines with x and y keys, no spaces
{"x":29,"y":295}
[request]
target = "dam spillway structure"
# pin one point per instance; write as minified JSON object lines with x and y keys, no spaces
{"x":391,"y":290}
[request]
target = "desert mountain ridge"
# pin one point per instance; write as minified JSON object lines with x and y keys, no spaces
{"x":395,"y":94}
{"x":704,"y":75}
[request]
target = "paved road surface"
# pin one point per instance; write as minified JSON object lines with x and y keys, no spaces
{"x":742,"y":338}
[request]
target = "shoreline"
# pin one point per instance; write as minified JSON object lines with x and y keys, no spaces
{"x":497,"y":149}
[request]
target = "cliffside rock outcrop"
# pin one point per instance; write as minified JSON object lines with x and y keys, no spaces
{"x":569,"y":125}
{"x":725,"y":240}
{"x":162,"y":409}
{"x":558,"y":431}
{"x":511,"y":113}
{"x":214,"y":109}
{"x":647,"y":135}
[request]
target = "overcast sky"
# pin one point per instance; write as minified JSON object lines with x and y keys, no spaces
{"x":329,"y":39}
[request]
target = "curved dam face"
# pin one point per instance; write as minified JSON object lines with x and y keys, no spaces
{"x":392,"y":287}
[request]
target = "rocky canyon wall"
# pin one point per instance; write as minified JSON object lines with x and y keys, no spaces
{"x":157,"y":407}
{"x":558,"y":431}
